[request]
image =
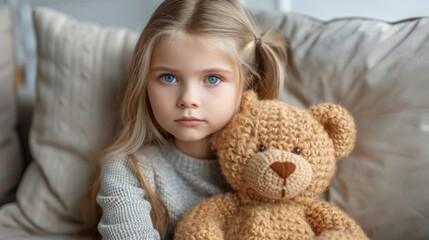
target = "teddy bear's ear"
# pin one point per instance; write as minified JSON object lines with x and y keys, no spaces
{"x":339,"y":124}
{"x":248,"y":98}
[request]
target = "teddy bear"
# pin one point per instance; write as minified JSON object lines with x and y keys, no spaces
{"x":277,"y":159}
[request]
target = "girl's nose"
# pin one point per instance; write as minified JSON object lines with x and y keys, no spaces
{"x":188,"y":98}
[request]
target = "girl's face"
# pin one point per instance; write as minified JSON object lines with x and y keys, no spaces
{"x":193,"y":90}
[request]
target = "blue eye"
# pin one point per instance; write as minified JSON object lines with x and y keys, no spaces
{"x":168,"y":78}
{"x":213,"y":80}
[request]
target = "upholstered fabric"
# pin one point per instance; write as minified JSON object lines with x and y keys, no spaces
{"x":10,"y":153}
{"x":380,"y":72}
{"x":8,"y":233}
{"x":80,"y":69}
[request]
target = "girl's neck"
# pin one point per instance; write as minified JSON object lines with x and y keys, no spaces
{"x":199,"y":149}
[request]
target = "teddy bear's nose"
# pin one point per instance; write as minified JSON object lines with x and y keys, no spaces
{"x":283,"y":169}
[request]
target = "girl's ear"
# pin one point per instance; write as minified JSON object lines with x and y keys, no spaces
{"x":248,"y":99}
{"x":339,"y":124}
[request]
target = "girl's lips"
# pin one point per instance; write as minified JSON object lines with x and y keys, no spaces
{"x":189,"y":122}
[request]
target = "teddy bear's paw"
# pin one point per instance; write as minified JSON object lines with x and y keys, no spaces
{"x":200,"y":232}
{"x":339,"y":235}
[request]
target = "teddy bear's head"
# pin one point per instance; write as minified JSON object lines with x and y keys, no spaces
{"x":277,"y":152}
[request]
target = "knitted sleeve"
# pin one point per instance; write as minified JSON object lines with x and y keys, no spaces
{"x":126,"y":211}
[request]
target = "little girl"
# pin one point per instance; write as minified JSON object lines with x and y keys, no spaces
{"x":191,"y":64}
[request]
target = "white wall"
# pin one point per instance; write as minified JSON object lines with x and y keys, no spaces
{"x":261,"y":4}
{"x":380,"y":9}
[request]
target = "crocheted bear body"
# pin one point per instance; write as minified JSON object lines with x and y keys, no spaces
{"x":269,"y":221}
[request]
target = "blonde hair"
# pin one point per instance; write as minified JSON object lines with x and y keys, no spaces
{"x":262,"y":61}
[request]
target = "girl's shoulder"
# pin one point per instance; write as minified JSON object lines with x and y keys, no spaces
{"x":122,"y":166}
{"x":146,"y":157}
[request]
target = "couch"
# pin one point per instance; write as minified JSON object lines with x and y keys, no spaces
{"x":50,"y":135}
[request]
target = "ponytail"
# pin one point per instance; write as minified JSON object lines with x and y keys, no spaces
{"x":270,"y":64}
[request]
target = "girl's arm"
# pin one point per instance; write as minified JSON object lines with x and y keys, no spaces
{"x":126,"y":211}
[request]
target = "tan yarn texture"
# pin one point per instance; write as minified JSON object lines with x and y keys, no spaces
{"x":277,"y":159}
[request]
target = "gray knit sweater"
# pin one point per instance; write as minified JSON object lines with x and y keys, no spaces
{"x":180,"y":180}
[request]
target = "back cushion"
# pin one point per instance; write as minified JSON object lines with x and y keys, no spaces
{"x":79,"y":74}
{"x":379,"y":71}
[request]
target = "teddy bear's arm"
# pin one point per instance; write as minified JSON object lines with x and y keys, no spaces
{"x":207,"y":219}
{"x":329,"y":222}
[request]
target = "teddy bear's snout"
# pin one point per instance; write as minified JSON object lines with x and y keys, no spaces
{"x":283,"y":169}
{"x":278,"y":174}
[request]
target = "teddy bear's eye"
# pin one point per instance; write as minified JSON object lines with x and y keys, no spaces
{"x":297,"y":150}
{"x":262,"y":147}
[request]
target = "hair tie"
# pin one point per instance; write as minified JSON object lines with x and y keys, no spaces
{"x":258,"y":41}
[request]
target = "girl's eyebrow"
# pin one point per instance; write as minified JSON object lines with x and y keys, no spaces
{"x":162,"y":69}
{"x":219,"y":70}
{"x":209,"y":70}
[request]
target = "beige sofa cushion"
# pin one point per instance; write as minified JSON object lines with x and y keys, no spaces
{"x":10,"y":154}
{"x":380,"y":72}
{"x":79,"y":73}
{"x":9,"y":233}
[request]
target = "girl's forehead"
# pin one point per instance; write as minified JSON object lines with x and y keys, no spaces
{"x":220,"y":45}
